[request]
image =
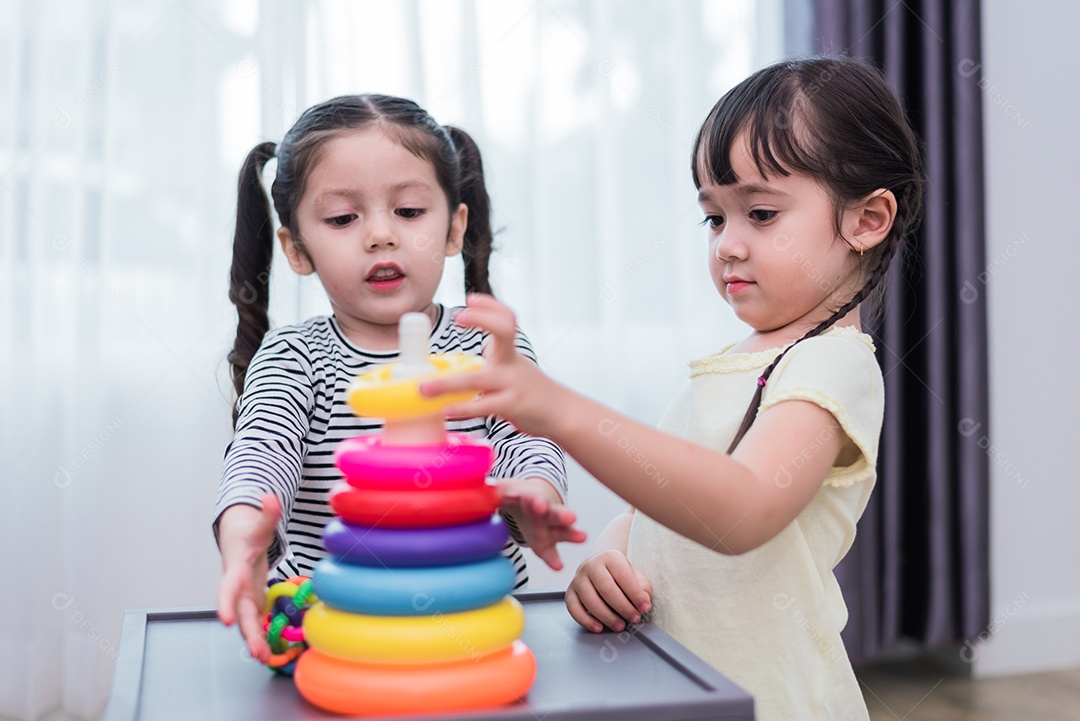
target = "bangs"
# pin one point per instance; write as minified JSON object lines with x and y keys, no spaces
{"x":769,"y":111}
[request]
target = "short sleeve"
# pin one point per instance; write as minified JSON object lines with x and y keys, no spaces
{"x":839,"y":373}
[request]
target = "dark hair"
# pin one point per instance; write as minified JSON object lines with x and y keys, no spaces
{"x":452,"y":153}
{"x":837,"y":121}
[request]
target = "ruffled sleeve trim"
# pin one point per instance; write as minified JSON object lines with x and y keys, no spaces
{"x":839,"y":476}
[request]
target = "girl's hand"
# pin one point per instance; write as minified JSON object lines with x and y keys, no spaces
{"x":245,"y":534}
{"x":543,"y":522}
{"x":608,"y":591}
{"x":511,"y":385}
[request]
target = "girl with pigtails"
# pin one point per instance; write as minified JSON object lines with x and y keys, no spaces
{"x":372,"y":195}
{"x":745,"y":499}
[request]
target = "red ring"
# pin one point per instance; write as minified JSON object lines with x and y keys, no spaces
{"x":413,"y":508}
{"x":368,"y":689}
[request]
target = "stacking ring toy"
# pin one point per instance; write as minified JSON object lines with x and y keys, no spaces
{"x":362,"y":689}
{"x":413,"y":591}
{"x":404,"y":509}
{"x":367,"y":462}
{"x":411,"y":640}
{"x":403,"y":547}
{"x":378,"y":394}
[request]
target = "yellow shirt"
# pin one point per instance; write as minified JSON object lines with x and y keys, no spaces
{"x":770,"y":619}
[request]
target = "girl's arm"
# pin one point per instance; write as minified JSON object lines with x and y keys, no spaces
{"x":531,"y":474}
{"x":731,"y":504}
{"x":261,"y":476}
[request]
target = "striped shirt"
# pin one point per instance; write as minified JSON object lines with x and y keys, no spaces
{"x":293,"y":414}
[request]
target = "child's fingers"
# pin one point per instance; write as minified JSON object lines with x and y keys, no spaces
{"x":571,"y":535}
{"x":550,"y":556}
{"x":492,"y":309}
{"x":598,"y":607}
{"x":631,"y":588}
{"x":498,"y":322}
{"x":480,"y":382}
{"x":579,"y":613}
{"x":251,"y":628}
{"x":476,"y":408}
{"x":646,"y":587}
{"x":228,"y":590}
{"x":561,"y":515}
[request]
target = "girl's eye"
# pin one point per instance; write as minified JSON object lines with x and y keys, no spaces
{"x":713,"y":221}
{"x":762,"y":216}
{"x":340,"y":221}
{"x":410,"y":213}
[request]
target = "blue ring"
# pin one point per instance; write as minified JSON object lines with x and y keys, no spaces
{"x":437,"y":546}
{"x":412,"y":591}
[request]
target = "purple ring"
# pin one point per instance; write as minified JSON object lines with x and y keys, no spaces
{"x":413,"y":547}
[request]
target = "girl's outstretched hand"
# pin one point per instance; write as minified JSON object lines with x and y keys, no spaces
{"x":608,"y":591}
{"x":511,"y":386}
{"x":542,"y":522}
{"x":245,"y":534}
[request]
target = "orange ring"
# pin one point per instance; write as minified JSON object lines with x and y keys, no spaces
{"x":290,"y":654}
{"x":366,"y":689}
{"x":413,"y":508}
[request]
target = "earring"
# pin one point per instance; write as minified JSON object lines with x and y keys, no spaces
{"x":861,"y":251}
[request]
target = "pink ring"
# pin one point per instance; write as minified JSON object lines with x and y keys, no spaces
{"x":368,"y":463}
{"x":292,"y":634}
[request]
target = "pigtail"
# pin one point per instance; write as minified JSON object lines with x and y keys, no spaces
{"x":249,"y":279}
{"x":476,"y":251}
{"x":876,"y":277}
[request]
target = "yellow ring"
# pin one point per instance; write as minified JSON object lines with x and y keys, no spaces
{"x":430,"y":638}
{"x":376,"y":394}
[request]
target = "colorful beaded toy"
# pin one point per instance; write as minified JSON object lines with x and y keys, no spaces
{"x":286,"y":604}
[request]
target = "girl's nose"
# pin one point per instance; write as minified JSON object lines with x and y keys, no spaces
{"x":379,"y":231}
{"x":729,"y":246}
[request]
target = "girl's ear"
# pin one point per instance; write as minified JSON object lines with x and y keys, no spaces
{"x":298,"y":259}
{"x":459,"y":221}
{"x":871,"y":220}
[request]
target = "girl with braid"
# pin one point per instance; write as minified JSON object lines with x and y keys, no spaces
{"x":372,"y":195}
{"x":742,"y":503}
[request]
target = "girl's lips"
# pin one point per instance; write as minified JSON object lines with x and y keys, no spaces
{"x":736,"y":286}
{"x":390,"y":282}
{"x":386,"y":276}
{"x":385,"y":280}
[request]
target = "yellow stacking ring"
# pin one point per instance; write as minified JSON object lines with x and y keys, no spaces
{"x":430,"y":638}
{"x":377,"y":394}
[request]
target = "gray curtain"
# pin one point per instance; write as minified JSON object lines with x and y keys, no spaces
{"x":919,"y":568}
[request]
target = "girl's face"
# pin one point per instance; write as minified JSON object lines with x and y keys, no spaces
{"x":773,"y":250}
{"x":376,"y":227}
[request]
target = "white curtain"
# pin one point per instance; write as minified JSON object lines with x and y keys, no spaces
{"x":123,"y":128}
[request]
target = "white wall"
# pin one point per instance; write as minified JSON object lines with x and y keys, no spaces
{"x":1032,"y":115}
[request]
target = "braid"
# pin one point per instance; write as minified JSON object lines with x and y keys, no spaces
{"x":876,"y":276}
{"x":249,"y":278}
{"x":476,"y":250}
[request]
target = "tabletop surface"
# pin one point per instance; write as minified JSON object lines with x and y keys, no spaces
{"x":184,"y":665}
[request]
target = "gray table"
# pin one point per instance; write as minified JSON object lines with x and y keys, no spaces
{"x":183,"y":665}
